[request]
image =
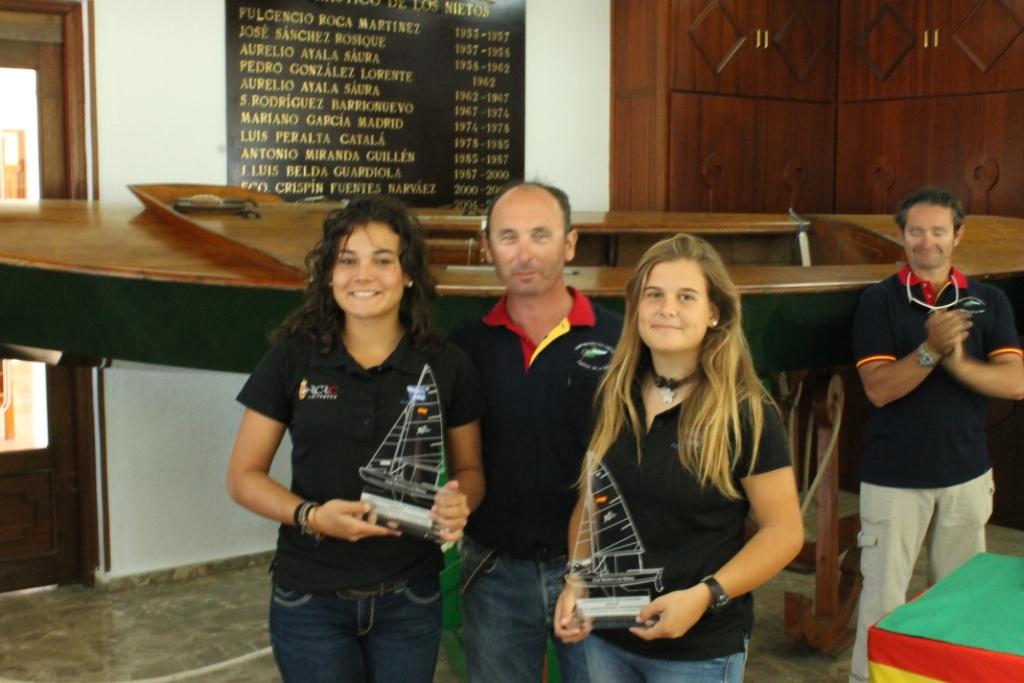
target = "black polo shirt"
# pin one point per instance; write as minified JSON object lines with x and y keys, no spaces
{"x":688,"y":530}
{"x":538,"y":423}
{"x":337,"y":414}
{"x":935,"y":435}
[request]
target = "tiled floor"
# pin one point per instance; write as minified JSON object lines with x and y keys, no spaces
{"x":156,"y":632}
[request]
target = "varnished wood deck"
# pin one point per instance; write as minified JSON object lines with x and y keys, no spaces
{"x":129,"y":240}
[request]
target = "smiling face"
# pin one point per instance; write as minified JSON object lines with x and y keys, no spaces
{"x":674,"y":311}
{"x":367,"y":280}
{"x":528,"y":243}
{"x":929,"y":239}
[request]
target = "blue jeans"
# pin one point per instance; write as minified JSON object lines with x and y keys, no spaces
{"x":507,"y":610}
{"x":358,"y":636}
{"x":611,"y":664}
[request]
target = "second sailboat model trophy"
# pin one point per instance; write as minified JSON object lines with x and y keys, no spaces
{"x":405,"y":472}
{"x":609,"y":564}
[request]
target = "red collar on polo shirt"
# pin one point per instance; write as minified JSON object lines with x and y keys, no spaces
{"x":927,"y":291}
{"x":580,"y":315}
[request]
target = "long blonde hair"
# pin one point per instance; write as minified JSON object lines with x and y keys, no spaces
{"x":728,"y":393}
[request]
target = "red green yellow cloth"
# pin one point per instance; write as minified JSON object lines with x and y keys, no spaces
{"x":967,"y":628}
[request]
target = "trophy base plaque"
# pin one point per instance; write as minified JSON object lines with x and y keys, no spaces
{"x":411,"y":520}
{"x":617,"y":612}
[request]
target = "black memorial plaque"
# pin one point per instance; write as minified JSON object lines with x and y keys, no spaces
{"x":421,"y":99}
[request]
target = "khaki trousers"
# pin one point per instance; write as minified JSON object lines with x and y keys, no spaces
{"x":893,"y":523}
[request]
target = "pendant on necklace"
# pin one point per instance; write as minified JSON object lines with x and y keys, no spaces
{"x":667,"y":395}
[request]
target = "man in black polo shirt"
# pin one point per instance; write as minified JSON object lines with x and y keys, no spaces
{"x":541,"y":351}
{"x":931,"y":346}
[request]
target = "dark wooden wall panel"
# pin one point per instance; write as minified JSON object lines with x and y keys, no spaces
{"x":639,"y":152}
{"x":746,"y":154}
{"x":972,"y":144}
{"x":714,"y":158}
{"x":798,"y":156}
{"x":640,"y":100}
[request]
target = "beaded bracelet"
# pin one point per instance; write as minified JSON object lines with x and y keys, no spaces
{"x":301,"y":517}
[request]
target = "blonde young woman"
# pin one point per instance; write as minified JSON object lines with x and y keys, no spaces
{"x":694,"y":444}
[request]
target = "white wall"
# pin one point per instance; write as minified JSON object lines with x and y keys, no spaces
{"x":169,"y":434}
{"x":160,"y":79}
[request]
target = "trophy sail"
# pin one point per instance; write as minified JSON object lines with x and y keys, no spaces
{"x":404,"y":473}
{"x":612,"y":566}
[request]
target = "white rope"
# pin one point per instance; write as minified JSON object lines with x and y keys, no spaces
{"x":837,"y":421}
{"x":181,"y":675}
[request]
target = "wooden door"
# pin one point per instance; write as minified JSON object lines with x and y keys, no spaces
{"x":48,"y":512}
{"x":761,"y":48}
{"x":981,"y":46}
{"x":800,"y":62}
{"x":881,"y":49}
{"x":46,"y":36}
{"x":47,"y":530}
{"x":717,"y":45}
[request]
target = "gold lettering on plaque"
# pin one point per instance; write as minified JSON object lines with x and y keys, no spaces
{"x":389,"y":26}
{"x":301,"y":35}
{"x":334,"y":21}
{"x":301,"y":137}
{"x":363,"y":139}
{"x":333,"y":120}
{"x":268,"y":154}
{"x":390,"y":75}
{"x":320,"y":87}
{"x":269,"y":118}
{"x":319,"y":154}
{"x":465,"y":9}
{"x":304,"y":171}
{"x":252,"y":136}
{"x":361,"y":57}
{"x":418,"y":187}
{"x":307,"y":187}
{"x":322,"y":70}
{"x":355,"y":188}
{"x":366,"y":172}
{"x":268,"y":84}
{"x":319,"y":54}
{"x":388,"y":122}
{"x":362,"y":89}
{"x":269,"y":51}
{"x":275,"y":16}
{"x":372,"y":106}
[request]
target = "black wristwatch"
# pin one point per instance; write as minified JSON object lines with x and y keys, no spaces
{"x":719,"y":598}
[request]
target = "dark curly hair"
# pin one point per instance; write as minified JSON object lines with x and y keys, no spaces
{"x":319,"y":318}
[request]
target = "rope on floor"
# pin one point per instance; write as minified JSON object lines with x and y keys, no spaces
{"x":182,"y":675}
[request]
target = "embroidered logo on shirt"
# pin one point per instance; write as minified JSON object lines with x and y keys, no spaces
{"x":317,"y":392}
{"x":971,"y":304}
{"x":594,"y":355}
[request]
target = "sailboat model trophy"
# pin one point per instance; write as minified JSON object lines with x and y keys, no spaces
{"x":403,"y":475}
{"x":612,"y":566}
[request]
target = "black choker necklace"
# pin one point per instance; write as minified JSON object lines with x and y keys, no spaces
{"x":668,"y":385}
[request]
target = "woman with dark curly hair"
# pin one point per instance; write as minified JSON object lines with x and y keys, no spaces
{"x":352,"y":599}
